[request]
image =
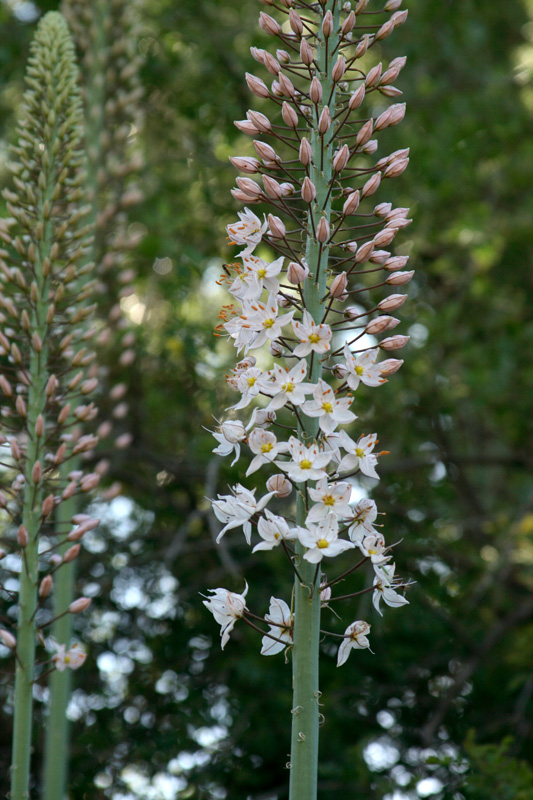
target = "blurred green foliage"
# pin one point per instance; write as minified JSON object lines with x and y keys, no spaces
{"x":158,"y":705}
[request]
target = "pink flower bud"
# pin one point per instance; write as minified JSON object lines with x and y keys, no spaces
{"x":89,"y":386}
{"x":69,"y":490}
{"x":373,"y":75}
{"x":308,"y":190}
{"x":22,"y":536}
{"x":385,"y":30}
{"x":287,"y":189}
{"x":327,"y":24}
{"x":47,"y":506}
{"x":392,"y":5}
{"x":390,"y":366}
{"x":8,"y":639}
{"x":399,"y":17}
{"x":245,"y":126}
{"x":396,"y":168}
{"x":265,"y":151}
{"x":272,"y":187}
{"x":259,"y":120}
{"x":315,"y":91}
{"x":6,"y":387}
{"x":306,"y":53}
{"x":278,"y":483}
{"x":283,"y":57}
{"x":242,"y":197}
{"x":394,"y":342}
{"x":71,"y":553}
{"x":379,"y":256}
{"x":372,"y":185}
{"x":63,"y":414}
{"x":384,"y":237}
{"x":365,"y":133}
{"x":360,"y":7}
{"x":257,"y":86}
{"x":245,"y":164}
{"x":382,"y":209}
{"x":15,"y":449}
{"x":286,"y":86}
{"x":396,"y":262}
{"x":269,"y":24}
{"x":39,"y":426}
{"x":338,"y":287}
{"x":276,"y":226}
{"x":400,"y":278}
{"x":357,"y":98}
{"x":45,"y":587}
{"x":3,"y":500}
{"x":351,"y":204}
{"x":378,"y":324}
{"x":20,"y":405}
{"x":395,"y":67}
{"x":271,"y":64}
{"x":276,"y":350}
{"x":392,"y":302}
{"x":325,"y":594}
{"x":290,"y":117}
{"x":249,"y":187}
{"x":348,"y":24}
{"x":339,"y":69}
{"x":79,"y":605}
{"x":324,"y":121}
{"x":364,"y":252}
{"x":306,"y":152}
{"x":297,"y":273}
{"x":90,"y":482}
{"x":390,"y":91}
{"x":60,"y":454}
{"x":341,"y":158}
{"x":339,"y":371}
{"x":322,"y":230}
{"x":262,"y":418}
{"x":352,"y":312}
{"x":295,"y":21}
{"x":37,"y":472}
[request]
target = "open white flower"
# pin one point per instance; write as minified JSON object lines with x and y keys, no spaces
{"x":249,"y":385}
{"x":287,"y":386}
{"x":364,"y":514}
{"x":322,"y":539}
{"x":354,"y":639}
{"x":63,"y":659}
{"x":363,"y":369}
{"x":264,"y":320}
{"x":329,"y":410}
{"x":330,"y":497}
{"x":360,"y":455}
{"x":280,"y":615}
{"x":248,"y":231}
{"x":266,"y":448}
{"x":313,"y":338}
{"x":258,"y":275}
{"x":226,"y":607}
{"x":237,"y":509}
{"x":229,"y":435}
{"x":307,"y":462}
{"x":384,"y":584}
{"x":373,"y":547}
{"x":273,"y":530}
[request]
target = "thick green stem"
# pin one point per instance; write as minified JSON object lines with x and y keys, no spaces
{"x":306,"y":694}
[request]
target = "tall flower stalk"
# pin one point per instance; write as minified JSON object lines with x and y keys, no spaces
{"x":47,"y":367}
{"x":319,"y":308}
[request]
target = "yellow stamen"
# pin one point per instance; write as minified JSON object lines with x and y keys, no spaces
{"x":322,"y":544}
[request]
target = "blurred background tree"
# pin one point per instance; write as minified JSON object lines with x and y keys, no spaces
{"x":159,"y":711}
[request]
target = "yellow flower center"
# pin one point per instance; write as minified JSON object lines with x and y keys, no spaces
{"x":268,"y":323}
{"x":277,"y":535}
{"x":266,"y":447}
{"x":250,"y":381}
{"x":288,"y":387}
{"x":261,"y":273}
{"x":328,"y":407}
{"x":67,"y":659}
{"x":359,"y":452}
{"x":314,"y":338}
{"x":328,"y":500}
{"x":322,"y":544}
{"x":359,"y":370}
{"x":306,"y":464}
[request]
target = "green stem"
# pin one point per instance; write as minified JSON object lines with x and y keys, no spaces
{"x":305,"y":659}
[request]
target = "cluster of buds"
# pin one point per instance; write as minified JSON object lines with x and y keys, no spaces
{"x":48,"y":373}
{"x":322,"y":308}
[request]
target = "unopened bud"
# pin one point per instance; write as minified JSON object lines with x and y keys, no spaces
{"x":20,"y":405}
{"x":306,"y":52}
{"x":351,"y":204}
{"x":280,"y":485}
{"x":5,"y":386}
{"x":47,"y":506}
{"x":89,"y":386}
{"x":269,"y":24}
{"x":390,"y":366}
{"x":315,"y":91}
{"x":399,"y":17}
{"x":261,"y":122}
{"x":15,"y":449}
{"x":370,"y":147}
{"x":385,"y":30}
{"x":245,"y":164}
{"x":365,"y":133}
{"x":372,"y":185}
{"x":79,"y":605}
{"x":382,"y":209}
{"x":324,"y":121}
{"x":45,"y":587}
{"x":378,"y":324}
{"x":272,"y":187}
{"x":297,"y":273}
{"x":290,"y":117}
{"x":364,"y":252}
{"x":71,"y":553}
{"x":357,"y":98}
{"x":396,"y":168}
{"x":8,"y":639}
{"x":286,"y":86}
{"x":63,"y":414}
{"x":69,"y":490}
{"x":394,"y":342}
{"x":392,"y":5}
{"x":322,"y":230}
{"x":39,"y":426}
{"x":90,"y":482}
{"x":341,"y":158}
{"x":257,"y":86}
{"x":373,"y":75}
{"x":22,"y":536}
{"x":51,"y":386}
{"x":37,"y":342}
{"x":276,"y":226}
{"x":327,"y":24}
{"x":396,"y":262}
{"x":308,"y":190}
{"x":276,"y":350}
{"x":400,"y":278}
{"x":60,"y":454}
{"x":265,"y":151}
{"x":338,"y":287}
{"x":339,"y":69}
{"x":385,"y":237}
{"x":295,"y":21}
{"x":392,"y":302}
{"x":306,"y":152}
{"x":37,"y":472}
{"x":348,"y":24}
{"x":283,"y":57}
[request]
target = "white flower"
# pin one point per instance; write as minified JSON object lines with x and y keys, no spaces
{"x":279,"y":613}
{"x":354,"y":638}
{"x":313,"y":337}
{"x":364,"y":514}
{"x":327,"y":408}
{"x":263,"y":319}
{"x":359,"y":455}
{"x":248,"y":230}
{"x":384,"y":588}
{"x":266,"y":447}
{"x":373,"y":547}
{"x":237,"y":509}
{"x":227,"y":608}
{"x":330,"y":497}
{"x":363,"y":368}
{"x":287,"y":386}
{"x":258,"y":275}
{"x":242,"y":335}
{"x":322,"y":539}
{"x":307,"y":462}
{"x":249,"y":385}
{"x":229,"y":436}
{"x":273,"y":530}
{"x":67,"y":659}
